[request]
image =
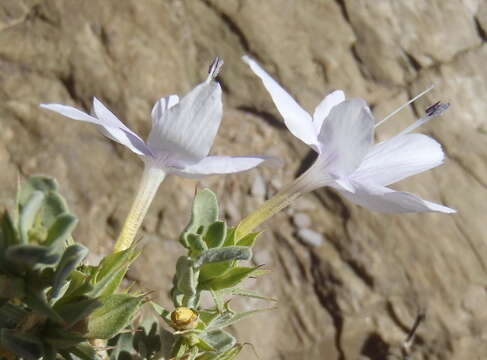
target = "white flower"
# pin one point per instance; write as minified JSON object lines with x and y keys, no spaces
{"x":179,"y":142}
{"x":182,"y":131}
{"x":341,"y":132}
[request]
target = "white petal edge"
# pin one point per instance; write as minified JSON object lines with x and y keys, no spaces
{"x":325,"y":106}
{"x":346,"y":137}
{"x":226,"y":165}
{"x":114,"y":130}
{"x":398,"y":158}
{"x":161,"y":106}
{"x":297,"y":120}
{"x":386,"y":200}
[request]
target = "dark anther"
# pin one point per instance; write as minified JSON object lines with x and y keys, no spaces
{"x":437,"y":108}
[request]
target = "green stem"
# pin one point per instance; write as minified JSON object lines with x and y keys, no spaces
{"x":151,"y":179}
{"x":313,"y":178}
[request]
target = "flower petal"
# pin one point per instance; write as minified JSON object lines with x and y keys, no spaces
{"x":325,"y":106}
{"x":383,"y":199}
{"x":161,"y":106}
{"x":346,"y":137}
{"x":297,"y":120}
{"x":108,"y":123}
{"x":186,"y":130}
{"x":226,"y":165}
{"x":398,"y":158}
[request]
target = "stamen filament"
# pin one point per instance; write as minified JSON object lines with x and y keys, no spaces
{"x":404,"y":105}
{"x":151,"y":179}
{"x":433,"y":111}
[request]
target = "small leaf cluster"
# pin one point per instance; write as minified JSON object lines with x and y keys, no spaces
{"x":212,"y":264}
{"x":51,"y":305}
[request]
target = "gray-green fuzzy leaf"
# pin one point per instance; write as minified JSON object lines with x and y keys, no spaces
{"x":115,"y":314}
{"x":37,"y":301}
{"x":60,"y":230}
{"x":72,"y":256}
{"x":76,"y":311}
{"x":216,"y":234}
{"x":223,"y":254}
{"x":186,"y":279}
{"x":196,"y":243}
{"x":31,"y":255}
{"x":204,"y":212}
{"x":231,"y":278}
{"x":111,"y":271}
{"x":228,"y":318}
{"x":217,"y":340}
{"x":28,"y":215}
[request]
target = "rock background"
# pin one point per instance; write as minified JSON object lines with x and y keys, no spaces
{"x":350,"y":282}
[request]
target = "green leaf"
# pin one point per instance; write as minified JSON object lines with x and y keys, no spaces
{"x":110,"y":272}
{"x":208,"y":315}
{"x":163,"y":313}
{"x":31,"y":255}
{"x":223,"y":254}
{"x":230,"y":354}
{"x":248,"y":240}
{"x":72,"y":256}
{"x":204,"y":213}
{"x":36,"y":183}
{"x":186,"y":279}
{"x":231,"y":278}
{"x":217,"y":340}
{"x":249,"y":293}
{"x":28,"y":214}
{"x":196,"y":243}
{"x":60,"y":230}
{"x":218,"y":299}
{"x":115,"y":314}
{"x":25,"y":346}
{"x":216,"y":234}
{"x":76,"y":311}
{"x":62,"y":339}
{"x":214,"y":270}
{"x":229,"y":318}
{"x":36,"y":300}
{"x":78,"y":286}
{"x":54,"y":205}
{"x":230,"y":239}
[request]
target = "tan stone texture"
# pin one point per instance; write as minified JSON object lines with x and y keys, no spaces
{"x":355,"y":295}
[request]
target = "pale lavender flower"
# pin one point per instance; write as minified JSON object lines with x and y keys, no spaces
{"x":179,"y":142}
{"x":341,"y":132}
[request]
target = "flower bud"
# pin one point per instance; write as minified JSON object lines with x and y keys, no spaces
{"x":184,"y":318}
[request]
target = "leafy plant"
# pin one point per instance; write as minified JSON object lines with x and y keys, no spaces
{"x":212,"y":264}
{"x":52,"y":305}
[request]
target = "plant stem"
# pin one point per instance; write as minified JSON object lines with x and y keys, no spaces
{"x":268,"y":209}
{"x":313,"y":178}
{"x":151,"y":179}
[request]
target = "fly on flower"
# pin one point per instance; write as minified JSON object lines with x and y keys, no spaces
{"x":182,"y":134}
{"x":341,"y":131}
